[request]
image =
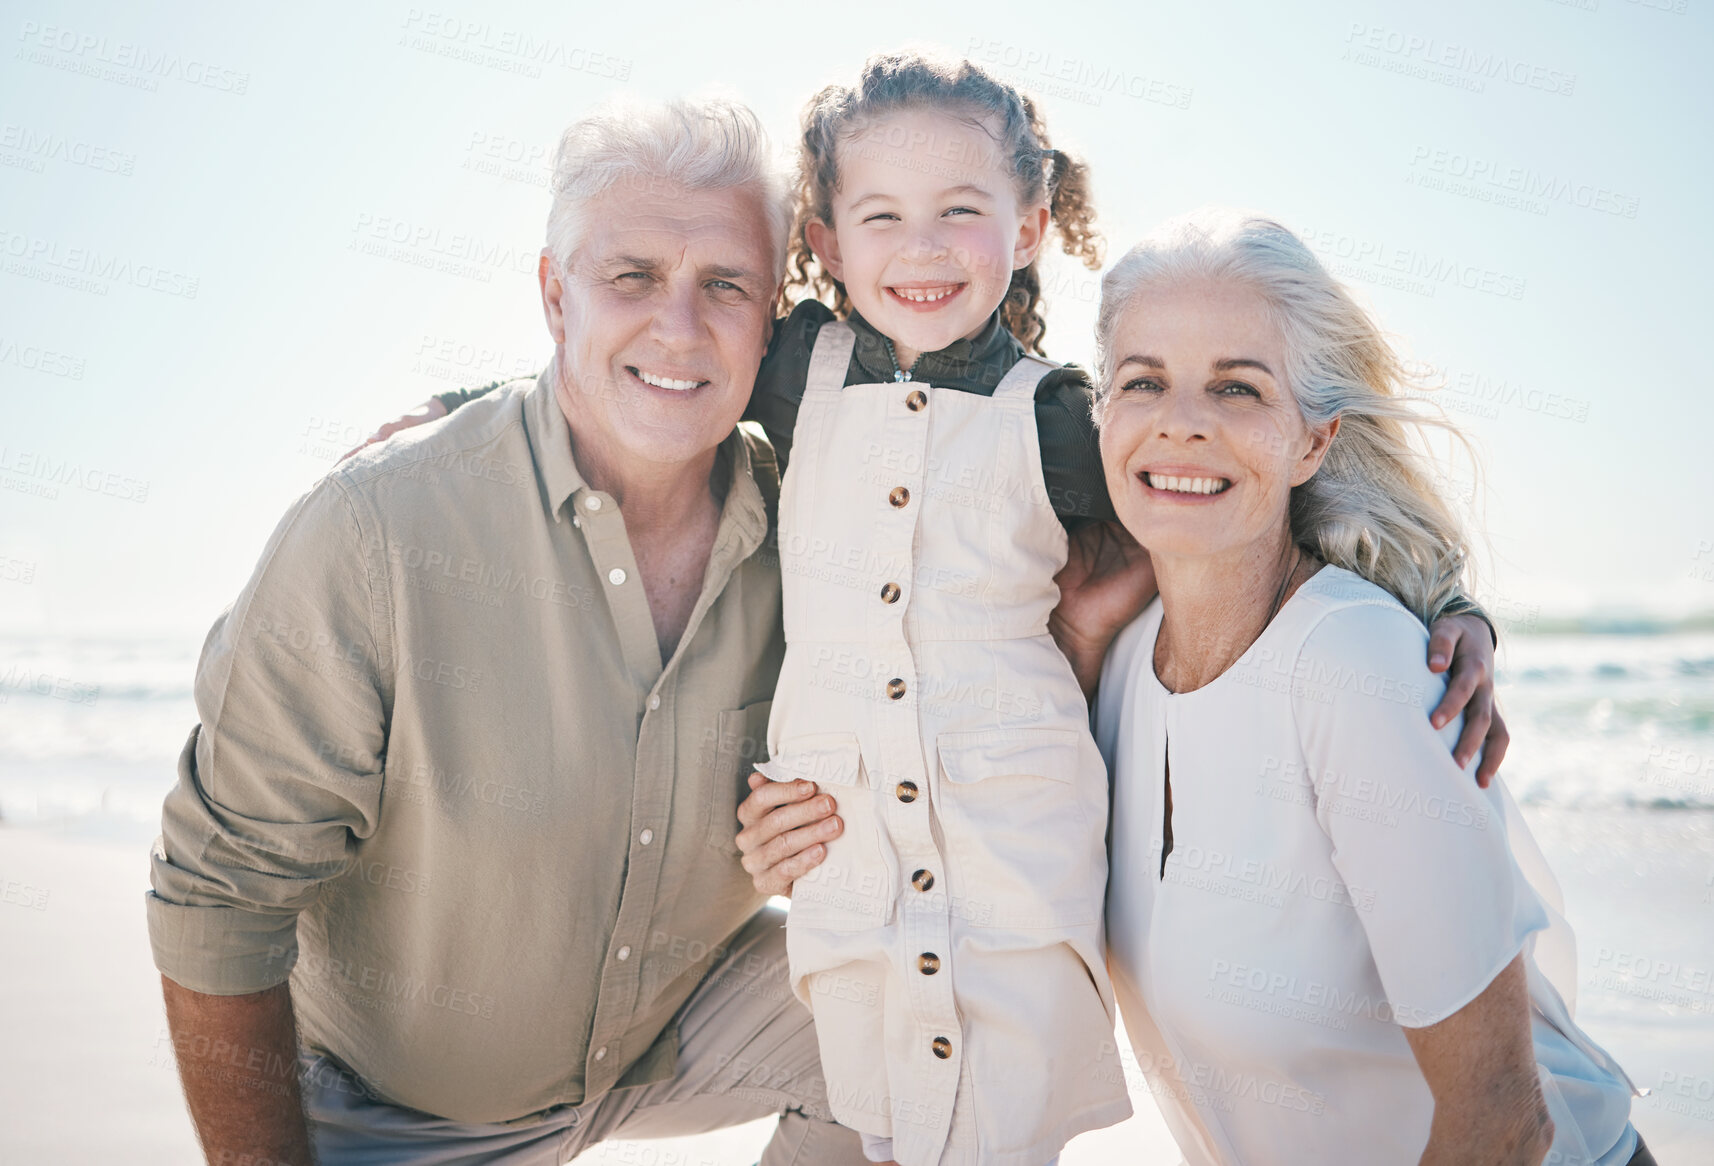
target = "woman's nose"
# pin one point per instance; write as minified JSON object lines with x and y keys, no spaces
{"x":1182,"y":417}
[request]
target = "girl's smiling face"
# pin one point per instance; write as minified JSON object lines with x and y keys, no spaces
{"x":927,"y":228}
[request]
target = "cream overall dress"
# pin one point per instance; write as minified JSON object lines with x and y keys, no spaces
{"x":950,"y":945}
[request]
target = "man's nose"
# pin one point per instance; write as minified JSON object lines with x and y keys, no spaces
{"x":678,"y":315}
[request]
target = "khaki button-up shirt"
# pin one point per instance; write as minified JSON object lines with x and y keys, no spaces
{"x":444,"y":781}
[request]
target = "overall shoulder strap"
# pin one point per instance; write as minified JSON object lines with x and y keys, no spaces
{"x":831,"y":356}
{"x":1022,"y":378}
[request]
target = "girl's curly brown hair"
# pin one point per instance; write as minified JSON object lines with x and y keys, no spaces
{"x":910,"y":80}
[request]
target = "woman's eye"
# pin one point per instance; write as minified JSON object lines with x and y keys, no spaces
{"x":1239,"y":389}
{"x":1140,"y":383}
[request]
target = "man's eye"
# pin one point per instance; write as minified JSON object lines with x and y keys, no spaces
{"x":635,"y":275}
{"x":724,"y":285}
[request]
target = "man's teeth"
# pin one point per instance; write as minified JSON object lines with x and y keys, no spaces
{"x":921,"y":295}
{"x":649,"y":378}
{"x":1187,"y":485}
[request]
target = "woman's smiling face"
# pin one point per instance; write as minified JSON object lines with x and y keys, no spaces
{"x":927,"y":227}
{"x":1201,"y":439}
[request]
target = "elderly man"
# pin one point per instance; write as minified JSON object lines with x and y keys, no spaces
{"x":474,"y":734}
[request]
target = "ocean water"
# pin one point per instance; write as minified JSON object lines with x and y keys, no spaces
{"x":90,"y":729}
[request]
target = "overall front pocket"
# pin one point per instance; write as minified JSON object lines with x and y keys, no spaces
{"x":854,"y":887}
{"x":1021,"y":847}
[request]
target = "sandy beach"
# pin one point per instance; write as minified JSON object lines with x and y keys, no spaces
{"x":90,"y":1077}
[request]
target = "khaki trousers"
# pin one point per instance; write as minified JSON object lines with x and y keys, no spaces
{"x":746,"y":1050}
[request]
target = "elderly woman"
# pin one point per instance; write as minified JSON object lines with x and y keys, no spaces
{"x":1320,"y":930}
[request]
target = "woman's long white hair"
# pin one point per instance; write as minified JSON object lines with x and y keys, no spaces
{"x":1372,"y":507}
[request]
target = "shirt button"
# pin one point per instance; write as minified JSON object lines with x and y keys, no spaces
{"x":889,"y":593}
{"x":922,"y":881}
{"x":616,"y":576}
{"x":646,"y":837}
{"x":601,"y":1053}
{"x":916,"y":401}
{"x":577,"y":520}
{"x":928,"y":963}
{"x":624,"y":953}
{"x":591,"y":502}
{"x":654,"y":701}
{"x":896,"y":689}
{"x":906,"y":791}
{"x":942,"y":1047}
{"x":898,"y":496}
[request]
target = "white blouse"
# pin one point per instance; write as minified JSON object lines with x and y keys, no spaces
{"x":1333,"y":876}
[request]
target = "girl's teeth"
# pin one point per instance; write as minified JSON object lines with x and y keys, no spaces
{"x":923,"y":297}
{"x":1180,"y":485}
{"x":649,"y":378}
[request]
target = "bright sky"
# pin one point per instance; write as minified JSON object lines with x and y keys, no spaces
{"x":234,"y":241}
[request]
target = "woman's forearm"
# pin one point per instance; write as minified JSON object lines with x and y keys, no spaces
{"x":1480,"y":1066}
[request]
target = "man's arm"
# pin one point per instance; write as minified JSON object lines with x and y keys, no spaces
{"x":294,"y":689}
{"x":1461,"y":643}
{"x":238,"y":1060}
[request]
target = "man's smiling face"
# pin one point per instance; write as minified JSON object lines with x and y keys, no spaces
{"x":661,"y":316}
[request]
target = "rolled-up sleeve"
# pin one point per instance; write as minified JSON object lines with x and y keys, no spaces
{"x":283,"y":774}
{"x":1422,"y":847}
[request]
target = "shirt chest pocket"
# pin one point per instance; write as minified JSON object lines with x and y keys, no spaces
{"x":740,"y":744}
{"x":1019,"y":844}
{"x":854,"y":887}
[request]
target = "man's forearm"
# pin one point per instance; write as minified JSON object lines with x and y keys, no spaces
{"x":238,"y":1059}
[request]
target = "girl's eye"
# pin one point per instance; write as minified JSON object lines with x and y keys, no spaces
{"x":963,"y":210}
{"x":1140,"y":383}
{"x":882,"y":216}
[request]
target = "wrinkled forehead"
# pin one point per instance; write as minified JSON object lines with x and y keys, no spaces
{"x":672,"y":225}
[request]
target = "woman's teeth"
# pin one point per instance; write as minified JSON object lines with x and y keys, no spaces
{"x":1180,"y":485}
{"x":921,"y":295}
{"x":660,"y":382}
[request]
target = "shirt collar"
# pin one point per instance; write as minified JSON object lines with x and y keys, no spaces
{"x":976,"y":362}
{"x":550,"y":440}
{"x":560,"y":481}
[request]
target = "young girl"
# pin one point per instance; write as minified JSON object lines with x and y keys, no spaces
{"x":950,"y":945}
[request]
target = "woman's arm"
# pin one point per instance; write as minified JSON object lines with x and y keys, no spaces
{"x":1106,"y":581}
{"x":433,"y":409}
{"x":1480,"y":1066}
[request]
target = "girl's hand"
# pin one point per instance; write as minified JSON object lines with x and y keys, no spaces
{"x":1465,"y":644}
{"x":1106,"y":581}
{"x":429,"y":410}
{"x":786,"y":824}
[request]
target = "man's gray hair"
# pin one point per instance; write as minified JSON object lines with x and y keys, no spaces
{"x":701,"y":144}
